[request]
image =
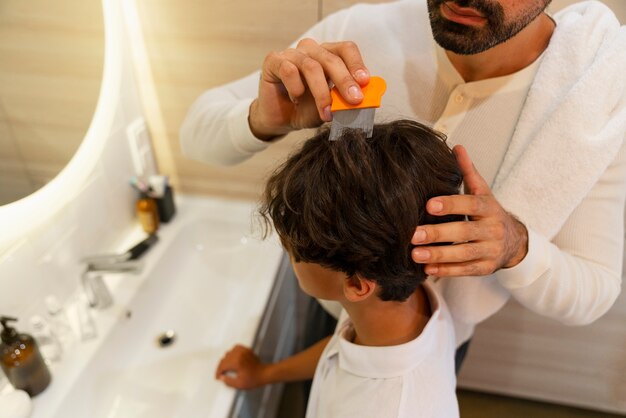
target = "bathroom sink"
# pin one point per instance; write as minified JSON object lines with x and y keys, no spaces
{"x":206,"y":282}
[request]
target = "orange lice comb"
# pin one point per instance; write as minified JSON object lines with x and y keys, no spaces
{"x":360,"y":116}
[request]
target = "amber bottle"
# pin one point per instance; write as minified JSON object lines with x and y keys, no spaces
{"x":21,"y":360}
{"x":148,"y":214}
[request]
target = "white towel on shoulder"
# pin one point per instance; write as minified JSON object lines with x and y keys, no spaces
{"x":571,"y":127}
{"x":573,"y":122}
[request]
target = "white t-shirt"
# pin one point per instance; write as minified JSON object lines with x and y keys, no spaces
{"x":412,"y":380}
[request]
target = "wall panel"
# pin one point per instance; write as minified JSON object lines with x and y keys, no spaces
{"x":195,"y":45}
{"x":331,"y":6}
{"x":618,"y":6}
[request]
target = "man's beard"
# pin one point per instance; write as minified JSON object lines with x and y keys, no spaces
{"x":467,"y":40}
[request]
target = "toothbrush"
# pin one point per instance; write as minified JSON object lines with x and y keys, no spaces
{"x":361,"y":116}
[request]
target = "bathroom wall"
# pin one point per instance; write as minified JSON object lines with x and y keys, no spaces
{"x":618,"y":6}
{"x":50,"y":74}
{"x":97,"y":216}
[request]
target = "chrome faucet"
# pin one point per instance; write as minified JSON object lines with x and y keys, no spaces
{"x":97,"y":293}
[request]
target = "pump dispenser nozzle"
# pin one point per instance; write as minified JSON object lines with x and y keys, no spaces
{"x":9,"y":334}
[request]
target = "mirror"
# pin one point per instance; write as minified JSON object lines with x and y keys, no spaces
{"x":51,"y":64}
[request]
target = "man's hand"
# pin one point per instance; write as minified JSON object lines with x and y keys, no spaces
{"x":492,"y":238}
{"x":240,"y":368}
{"x":294,"y":87}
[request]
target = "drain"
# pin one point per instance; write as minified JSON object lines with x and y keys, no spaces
{"x":166,"y":339}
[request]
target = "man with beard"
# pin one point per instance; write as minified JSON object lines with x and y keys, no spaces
{"x":539,"y":103}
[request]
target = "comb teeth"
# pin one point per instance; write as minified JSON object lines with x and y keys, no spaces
{"x":361,"y":116}
{"x":362,"y":119}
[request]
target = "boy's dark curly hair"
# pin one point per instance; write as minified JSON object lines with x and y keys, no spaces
{"x":352,"y":205}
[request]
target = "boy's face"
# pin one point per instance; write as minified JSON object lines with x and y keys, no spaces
{"x":318,"y":281}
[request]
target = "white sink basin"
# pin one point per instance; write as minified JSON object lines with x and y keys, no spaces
{"x":208,"y":280}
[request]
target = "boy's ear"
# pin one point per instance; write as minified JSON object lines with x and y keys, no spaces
{"x":356,"y":288}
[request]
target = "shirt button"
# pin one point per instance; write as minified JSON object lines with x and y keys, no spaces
{"x":458,"y":98}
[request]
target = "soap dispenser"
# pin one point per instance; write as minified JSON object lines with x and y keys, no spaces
{"x":21,"y":360}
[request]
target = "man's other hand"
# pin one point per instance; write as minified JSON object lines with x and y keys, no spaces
{"x":490,"y":240}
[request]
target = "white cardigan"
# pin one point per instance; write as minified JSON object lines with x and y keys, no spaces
{"x":563,"y":163}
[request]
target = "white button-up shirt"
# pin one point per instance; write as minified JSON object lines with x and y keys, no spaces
{"x":415,"y":379}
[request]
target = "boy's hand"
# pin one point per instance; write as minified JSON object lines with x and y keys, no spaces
{"x":240,"y":368}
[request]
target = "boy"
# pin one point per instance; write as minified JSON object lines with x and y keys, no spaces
{"x":345,"y":212}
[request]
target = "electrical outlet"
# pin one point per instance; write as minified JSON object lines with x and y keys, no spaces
{"x":141,"y":148}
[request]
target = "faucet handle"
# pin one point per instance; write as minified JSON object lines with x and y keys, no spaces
{"x":132,"y":253}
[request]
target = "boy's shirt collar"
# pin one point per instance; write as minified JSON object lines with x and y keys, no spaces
{"x":389,"y":361}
